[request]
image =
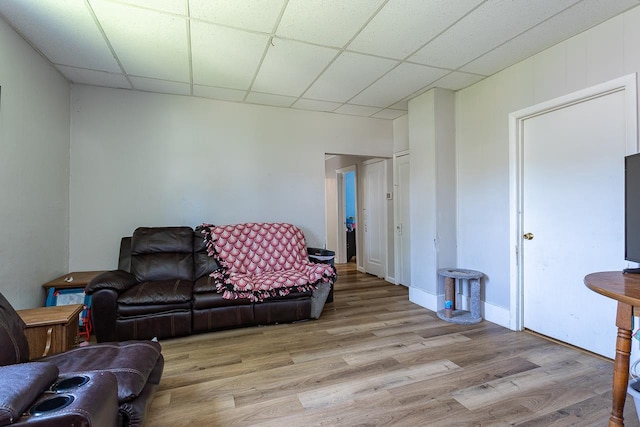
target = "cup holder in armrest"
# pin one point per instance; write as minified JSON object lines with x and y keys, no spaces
{"x":69,"y":383}
{"x":53,"y":404}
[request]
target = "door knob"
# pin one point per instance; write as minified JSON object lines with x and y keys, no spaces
{"x":528,"y":236}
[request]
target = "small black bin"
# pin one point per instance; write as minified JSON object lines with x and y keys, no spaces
{"x":323,"y":256}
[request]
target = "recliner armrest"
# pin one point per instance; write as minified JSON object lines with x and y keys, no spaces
{"x":20,"y":385}
{"x":116,"y":280}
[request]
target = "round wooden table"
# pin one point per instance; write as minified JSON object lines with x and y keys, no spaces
{"x":624,"y":288}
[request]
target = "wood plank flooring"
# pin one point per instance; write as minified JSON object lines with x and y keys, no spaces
{"x":375,"y":359}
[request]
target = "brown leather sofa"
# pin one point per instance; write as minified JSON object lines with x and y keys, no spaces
{"x":162,"y":289}
{"x":109,"y":384}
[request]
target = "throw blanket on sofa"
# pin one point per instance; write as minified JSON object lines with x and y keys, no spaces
{"x":262,"y":260}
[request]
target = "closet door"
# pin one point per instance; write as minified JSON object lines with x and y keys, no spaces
{"x":374,"y":218}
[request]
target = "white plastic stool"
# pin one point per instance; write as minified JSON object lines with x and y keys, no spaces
{"x":449,"y":312}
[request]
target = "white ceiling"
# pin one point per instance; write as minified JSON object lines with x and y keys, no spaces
{"x":355,"y":57}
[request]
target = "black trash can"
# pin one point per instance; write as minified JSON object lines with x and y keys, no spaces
{"x":323,"y":256}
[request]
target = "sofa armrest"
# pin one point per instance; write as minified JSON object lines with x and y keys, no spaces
{"x":104,"y":290}
{"x":318,"y":299}
{"x":116,"y":280}
{"x":104,"y":314}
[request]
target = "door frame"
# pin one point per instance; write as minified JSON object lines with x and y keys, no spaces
{"x":341,"y":238}
{"x":628,"y":84}
{"x":396,"y":218}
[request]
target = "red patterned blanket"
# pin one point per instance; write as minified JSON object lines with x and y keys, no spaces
{"x":262,"y":260}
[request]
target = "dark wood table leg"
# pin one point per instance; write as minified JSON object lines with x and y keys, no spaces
{"x":621,"y":364}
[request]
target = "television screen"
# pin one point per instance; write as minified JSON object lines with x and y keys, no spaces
{"x":632,"y":208}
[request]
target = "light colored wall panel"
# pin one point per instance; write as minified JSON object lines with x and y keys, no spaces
{"x":605,"y":51}
{"x":401,"y":134}
{"x":445,"y":179}
{"x":432,"y":192}
{"x":422,"y":191}
{"x":631,"y":40}
{"x":549,"y":72}
{"x":34,"y":172}
{"x":140,"y":159}
{"x":576,"y":63}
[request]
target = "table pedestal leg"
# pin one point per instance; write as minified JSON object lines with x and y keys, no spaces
{"x":621,"y":364}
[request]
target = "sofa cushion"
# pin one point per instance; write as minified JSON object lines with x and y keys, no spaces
{"x":215,"y":300}
{"x":130,"y":361}
{"x":159,"y":292}
{"x":14,"y":348}
{"x":20,"y":385}
{"x":205,"y":285}
{"x":159,"y":253}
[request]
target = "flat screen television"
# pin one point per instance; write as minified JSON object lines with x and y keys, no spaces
{"x":632,"y":210}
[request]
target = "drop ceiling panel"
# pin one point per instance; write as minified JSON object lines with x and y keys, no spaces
{"x":92,"y":77}
{"x":268,"y":99}
{"x":160,"y":86}
{"x":255,"y":15}
{"x":349,"y":74}
{"x":171,"y":6}
{"x":401,"y":105}
{"x":357,"y":110}
{"x":63,"y":30}
{"x":397,"y":84}
{"x":289,"y":67}
{"x":574,"y":20}
{"x":402,"y":27}
{"x":310,"y":21}
{"x":312,"y":104}
{"x":389,"y":114}
{"x":457,"y":80}
{"x":225,"y":57}
{"x":148,"y":44}
{"x":219,"y":93}
{"x":500,"y":20}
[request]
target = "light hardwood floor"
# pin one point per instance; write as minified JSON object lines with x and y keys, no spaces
{"x":374,"y":358}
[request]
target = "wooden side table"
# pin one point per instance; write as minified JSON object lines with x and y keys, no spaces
{"x":73,"y":280}
{"x":624,"y":288}
{"x":51,"y":330}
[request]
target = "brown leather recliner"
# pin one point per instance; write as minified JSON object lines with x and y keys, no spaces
{"x":151,"y":298}
{"x":121,"y":380}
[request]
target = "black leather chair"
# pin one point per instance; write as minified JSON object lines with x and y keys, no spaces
{"x":122,"y":377}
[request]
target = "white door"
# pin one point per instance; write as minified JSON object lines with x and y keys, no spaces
{"x":573,"y":206}
{"x":374,"y":223}
{"x":403,"y":226}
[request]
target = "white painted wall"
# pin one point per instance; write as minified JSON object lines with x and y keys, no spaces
{"x":401,"y":134}
{"x":34,"y":171}
{"x":433,"y":193}
{"x":142,"y":159}
{"x":421,"y":126}
{"x":602,"y":53}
